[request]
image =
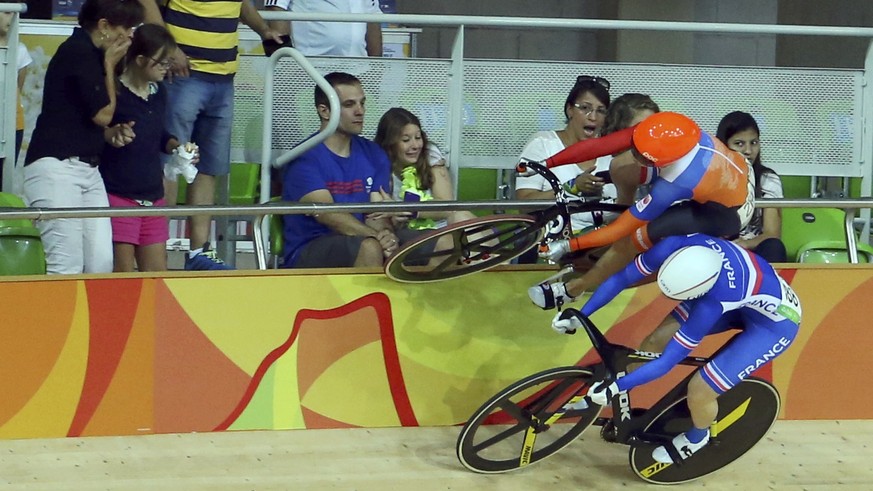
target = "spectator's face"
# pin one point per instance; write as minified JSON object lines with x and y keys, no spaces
{"x":745,"y":142}
{"x":156,"y":66}
{"x":352,"y":101}
{"x":5,"y":23}
{"x":117,"y":33}
{"x":640,"y":115}
{"x":408,"y":147}
{"x":627,"y":155}
{"x":586,"y":116}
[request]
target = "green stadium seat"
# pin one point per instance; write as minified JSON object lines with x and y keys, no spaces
{"x":21,"y":251}
{"x":817,"y":235}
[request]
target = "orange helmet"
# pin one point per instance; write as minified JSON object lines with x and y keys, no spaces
{"x":665,"y":137}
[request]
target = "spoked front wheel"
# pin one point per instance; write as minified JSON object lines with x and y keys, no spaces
{"x":745,"y":414}
{"x":528,"y":421}
{"x":464,"y":248}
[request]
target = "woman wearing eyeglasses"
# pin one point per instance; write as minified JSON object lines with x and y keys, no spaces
{"x":133,"y":174}
{"x":585,"y":112}
{"x":79,"y":101}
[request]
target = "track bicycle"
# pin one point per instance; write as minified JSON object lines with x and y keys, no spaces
{"x":535,"y":417}
{"x":482,"y":243}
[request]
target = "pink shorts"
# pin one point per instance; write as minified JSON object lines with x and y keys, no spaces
{"x":139,"y":231}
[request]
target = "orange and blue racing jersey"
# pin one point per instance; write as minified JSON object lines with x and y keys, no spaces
{"x":709,"y":172}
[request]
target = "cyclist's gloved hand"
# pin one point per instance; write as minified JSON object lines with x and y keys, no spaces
{"x":602,"y":392}
{"x":523,"y":169}
{"x":565,"y":326}
{"x":554,"y":250}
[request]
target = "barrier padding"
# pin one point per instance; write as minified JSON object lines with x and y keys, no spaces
{"x":134,"y":355}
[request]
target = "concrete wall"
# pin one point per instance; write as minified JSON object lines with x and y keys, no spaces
{"x":655,"y":47}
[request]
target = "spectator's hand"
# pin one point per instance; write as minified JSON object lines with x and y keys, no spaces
{"x":116,"y":51}
{"x":588,"y":184}
{"x":396,"y":217}
{"x":270,"y":45}
{"x":388,"y":241}
{"x":180,"y":66}
{"x":275,"y":36}
{"x":120,"y":134}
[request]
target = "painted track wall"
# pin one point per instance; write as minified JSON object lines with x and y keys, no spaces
{"x":135,"y":355}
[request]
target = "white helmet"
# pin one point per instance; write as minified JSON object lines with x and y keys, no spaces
{"x":689,"y":272}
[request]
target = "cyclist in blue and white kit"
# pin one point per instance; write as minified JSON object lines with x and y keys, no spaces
{"x":722,"y":286}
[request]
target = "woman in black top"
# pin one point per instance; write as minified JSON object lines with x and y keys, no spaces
{"x":78,"y":104}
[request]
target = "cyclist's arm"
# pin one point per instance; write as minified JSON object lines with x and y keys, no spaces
{"x":586,"y":150}
{"x":700,"y":321}
{"x":642,"y":266}
{"x":662,"y":196}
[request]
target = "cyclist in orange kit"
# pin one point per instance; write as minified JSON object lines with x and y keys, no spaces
{"x":700,"y":186}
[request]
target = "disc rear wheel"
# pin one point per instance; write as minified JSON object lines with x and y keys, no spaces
{"x":745,"y":414}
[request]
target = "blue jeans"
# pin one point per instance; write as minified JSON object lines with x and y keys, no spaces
{"x":200,"y":110}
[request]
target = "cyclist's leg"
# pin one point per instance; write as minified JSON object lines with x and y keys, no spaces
{"x":761,"y":340}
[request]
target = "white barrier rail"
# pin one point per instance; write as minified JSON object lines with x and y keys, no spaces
{"x":261,"y":211}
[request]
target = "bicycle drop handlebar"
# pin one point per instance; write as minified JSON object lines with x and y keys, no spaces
{"x":525,"y":166}
{"x":604,"y":348}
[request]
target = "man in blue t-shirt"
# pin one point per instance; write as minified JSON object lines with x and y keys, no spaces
{"x":345,"y":168}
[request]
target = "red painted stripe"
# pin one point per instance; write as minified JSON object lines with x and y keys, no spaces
{"x":382,"y":305}
{"x":112,"y":316}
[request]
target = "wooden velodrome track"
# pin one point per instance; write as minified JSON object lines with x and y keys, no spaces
{"x":795,"y":455}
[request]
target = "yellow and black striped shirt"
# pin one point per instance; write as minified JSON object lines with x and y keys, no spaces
{"x":207,"y":31}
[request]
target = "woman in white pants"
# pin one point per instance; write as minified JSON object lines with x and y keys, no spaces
{"x":78,"y":103}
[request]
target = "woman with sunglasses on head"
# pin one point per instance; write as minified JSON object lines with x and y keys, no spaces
{"x":133,"y":174}
{"x":585,"y":113}
{"x":739,"y":131}
{"x":79,"y":101}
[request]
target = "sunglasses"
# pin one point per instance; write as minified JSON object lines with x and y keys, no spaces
{"x":588,"y":78}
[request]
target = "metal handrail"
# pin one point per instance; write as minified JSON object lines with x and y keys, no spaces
{"x":295,"y":208}
{"x":329,"y":129}
{"x":260,"y":211}
{"x":557,"y":23}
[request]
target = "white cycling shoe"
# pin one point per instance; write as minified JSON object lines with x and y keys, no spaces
{"x":549,"y":295}
{"x":685,"y":448}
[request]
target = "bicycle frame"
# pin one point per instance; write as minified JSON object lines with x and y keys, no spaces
{"x":556,"y":220}
{"x":615,"y":361}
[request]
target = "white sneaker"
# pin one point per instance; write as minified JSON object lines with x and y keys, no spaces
{"x":685,"y":448}
{"x":549,"y":295}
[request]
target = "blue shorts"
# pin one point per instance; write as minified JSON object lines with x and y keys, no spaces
{"x":200,"y":110}
{"x":760,"y":341}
